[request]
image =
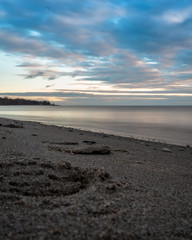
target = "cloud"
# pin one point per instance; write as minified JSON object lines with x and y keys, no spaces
{"x":28,"y":65}
{"x":86,"y":26}
{"x":112,"y":98}
{"x":48,"y":86}
{"x":49,"y":74}
{"x":177,"y":16}
{"x":135,"y":44}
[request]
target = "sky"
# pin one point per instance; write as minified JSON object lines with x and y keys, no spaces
{"x":95,"y":52}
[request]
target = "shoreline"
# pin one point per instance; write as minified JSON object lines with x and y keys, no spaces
{"x":117,"y":135}
{"x":107,"y":132}
{"x":160,"y":124}
{"x":66,"y":183}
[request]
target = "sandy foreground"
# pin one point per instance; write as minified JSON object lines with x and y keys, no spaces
{"x":63,"y":183}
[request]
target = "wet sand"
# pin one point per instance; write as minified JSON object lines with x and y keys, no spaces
{"x":64,"y":183}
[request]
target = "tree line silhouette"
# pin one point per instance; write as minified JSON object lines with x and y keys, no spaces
{"x":20,"y":101}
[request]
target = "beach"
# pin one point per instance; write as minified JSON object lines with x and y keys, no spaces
{"x":65,"y":183}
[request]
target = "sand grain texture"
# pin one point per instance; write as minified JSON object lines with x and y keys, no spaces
{"x":51,"y":189}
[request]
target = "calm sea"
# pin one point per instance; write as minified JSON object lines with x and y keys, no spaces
{"x":167,"y":124}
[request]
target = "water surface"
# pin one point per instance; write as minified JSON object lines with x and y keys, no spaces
{"x":167,"y":124}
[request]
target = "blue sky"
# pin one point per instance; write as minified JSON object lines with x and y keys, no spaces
{"x":95,"y":52}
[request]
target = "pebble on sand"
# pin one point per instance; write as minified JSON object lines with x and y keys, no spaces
{"x":34,"y":134}
{"x":166,"y":150}
{"x":89,"y":142}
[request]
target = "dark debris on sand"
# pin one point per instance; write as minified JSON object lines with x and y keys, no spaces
{"x":11,"y":125}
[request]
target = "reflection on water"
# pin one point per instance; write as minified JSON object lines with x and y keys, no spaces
{"x":171,"y":124}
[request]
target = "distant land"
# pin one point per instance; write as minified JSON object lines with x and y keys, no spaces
{"x":20,"y":101}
